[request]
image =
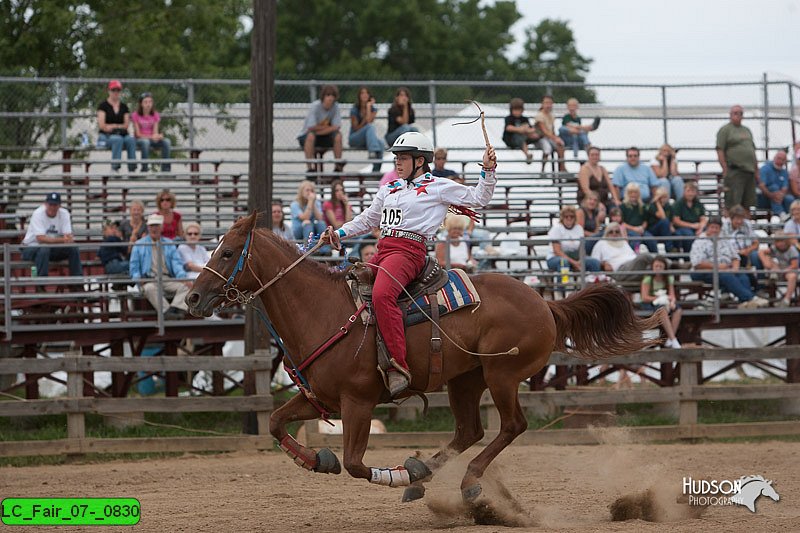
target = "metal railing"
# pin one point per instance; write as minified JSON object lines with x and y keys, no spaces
{"x":215,"y":112}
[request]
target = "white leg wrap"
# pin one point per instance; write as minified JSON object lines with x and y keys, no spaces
{"x":390,"y":477}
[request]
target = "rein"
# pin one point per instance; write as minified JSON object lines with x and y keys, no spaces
{"x":232,"y":292}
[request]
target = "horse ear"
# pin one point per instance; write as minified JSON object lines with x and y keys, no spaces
{"x":251,"y":221}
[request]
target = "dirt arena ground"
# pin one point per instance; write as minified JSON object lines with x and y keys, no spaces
{"x":560,"y":488}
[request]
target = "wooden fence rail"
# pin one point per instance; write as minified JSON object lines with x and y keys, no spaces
{"x":686,"y":396}
{"x":76,"y":406}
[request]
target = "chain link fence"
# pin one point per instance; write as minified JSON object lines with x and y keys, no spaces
{"x":54,"y":113}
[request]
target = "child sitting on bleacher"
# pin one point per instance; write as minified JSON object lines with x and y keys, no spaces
{"x":114,"y":258}
{"x":147,"y":132}
{"x":781,"y":260}
{"x":658,"y":290}
{"x":519,"y":132}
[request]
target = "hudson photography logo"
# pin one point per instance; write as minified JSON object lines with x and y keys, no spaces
{"x":743,"y":491}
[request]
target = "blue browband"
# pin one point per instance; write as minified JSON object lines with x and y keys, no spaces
{"x":240,"y":264}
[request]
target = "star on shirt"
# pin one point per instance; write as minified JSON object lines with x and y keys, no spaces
{"x":421,"y":187}
{"x":395,"y":186}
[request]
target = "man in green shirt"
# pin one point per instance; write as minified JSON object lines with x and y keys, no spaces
{"x":736,"y":152}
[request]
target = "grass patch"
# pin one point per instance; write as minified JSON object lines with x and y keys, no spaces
{"x":84,"y":459}
{"x":643,"y":414}
{"x":45,"y":427}
{"x":715,"y":412}
{"x":51,"y":427}
{"x":437,"y":419}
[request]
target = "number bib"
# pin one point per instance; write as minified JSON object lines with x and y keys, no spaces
{"x":391,"y":217}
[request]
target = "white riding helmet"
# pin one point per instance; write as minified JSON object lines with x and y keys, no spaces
{"x":415,"y":143}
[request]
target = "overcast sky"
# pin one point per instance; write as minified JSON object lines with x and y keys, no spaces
{"x":678,"y":39}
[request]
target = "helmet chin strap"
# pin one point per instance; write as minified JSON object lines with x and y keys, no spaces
{"x":413,"y":174}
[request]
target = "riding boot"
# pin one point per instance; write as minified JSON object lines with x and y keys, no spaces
{"x":399,"y":377}
{"x":398,"y":383}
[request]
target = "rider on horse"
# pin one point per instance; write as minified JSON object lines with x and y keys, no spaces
{"x":408,"y":212}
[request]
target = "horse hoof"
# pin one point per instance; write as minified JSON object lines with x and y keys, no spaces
{"x":413,"y":492}
{"x":327,"y":462}
{"x":470,"y":494}
{"x":417,"y":470}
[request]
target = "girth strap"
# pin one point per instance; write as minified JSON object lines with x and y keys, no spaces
{"x":435,"y":363}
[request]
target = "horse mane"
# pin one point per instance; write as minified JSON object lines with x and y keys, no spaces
{"x":311,"y":267}
{"x":747,"y":479}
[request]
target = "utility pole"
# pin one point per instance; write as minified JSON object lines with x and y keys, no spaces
{"x":259,"y":195}
{"x":262,"y":82}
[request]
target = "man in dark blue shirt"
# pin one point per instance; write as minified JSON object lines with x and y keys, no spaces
{"x":439,"y":160}
{"x":774,"y":185}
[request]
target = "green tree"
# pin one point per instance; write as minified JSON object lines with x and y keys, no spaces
{"x":180,"y":38}
{"x":424,"y":39}
{"x":376,"y":39}
{"x":37,"y":38}
{"x":103,"y":38}
{"x":550,"y":55}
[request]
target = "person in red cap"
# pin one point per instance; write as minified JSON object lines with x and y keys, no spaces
{"x":113,"y":118}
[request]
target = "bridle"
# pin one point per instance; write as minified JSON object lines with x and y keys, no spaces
{"x":235,"y":295}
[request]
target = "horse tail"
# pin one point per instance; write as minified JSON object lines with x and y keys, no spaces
{"x":600,"y":322}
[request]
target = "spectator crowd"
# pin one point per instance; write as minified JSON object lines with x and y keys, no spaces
{"x":631,"y":223}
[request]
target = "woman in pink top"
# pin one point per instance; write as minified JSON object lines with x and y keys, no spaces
{"x":145,"y":128}
{"x":337,"y":210}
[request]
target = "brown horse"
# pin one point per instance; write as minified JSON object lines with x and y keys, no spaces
{"x":307,"y":304}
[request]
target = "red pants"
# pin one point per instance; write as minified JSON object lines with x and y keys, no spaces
{"x":404,"y":259}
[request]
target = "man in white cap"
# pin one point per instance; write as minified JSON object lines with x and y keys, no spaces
{"x":148,"y":261}
{"x":51,"y":224}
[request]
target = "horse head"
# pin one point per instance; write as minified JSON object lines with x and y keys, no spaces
{"x":752,"y":488}
{"x":225,"y":269}
{"x":769,"y":491}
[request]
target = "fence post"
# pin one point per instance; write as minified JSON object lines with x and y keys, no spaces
{"x":262,"y":389}
{"x":664,"y":111}
{"x":62,"y":96}
{"x":432,"y":96}
{"x":791,"y":115}
{"x":7,"y":289}
{"x":492,"y":414}
{"x":492,"y":418}
{"x":190,"y":98}
{"x":312,"y":90}
{"x":160,"y":261}
{"x":76,"y":423}
{"x":766,"y":118}
{"x":687,"y":414}
{"x":715,"y":281}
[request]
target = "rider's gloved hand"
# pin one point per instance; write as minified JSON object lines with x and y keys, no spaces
{"x":331,"y":236}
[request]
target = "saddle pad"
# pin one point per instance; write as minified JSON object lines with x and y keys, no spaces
{"x":457,"y":293}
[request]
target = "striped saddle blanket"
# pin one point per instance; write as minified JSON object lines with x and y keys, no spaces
{"x":458,"y":292}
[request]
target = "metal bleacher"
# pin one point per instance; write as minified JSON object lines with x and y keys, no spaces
{"x":211,"y":185}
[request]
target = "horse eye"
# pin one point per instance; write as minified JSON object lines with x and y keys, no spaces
{"x":227,"y":254}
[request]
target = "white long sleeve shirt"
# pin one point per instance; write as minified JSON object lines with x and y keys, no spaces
{"x":419,"y":206}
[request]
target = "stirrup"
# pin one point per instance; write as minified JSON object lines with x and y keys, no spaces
{"x":400,"y":368}
{"x":398,"y":383}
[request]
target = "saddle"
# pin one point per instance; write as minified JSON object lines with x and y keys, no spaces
{"x":429,"y":282}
